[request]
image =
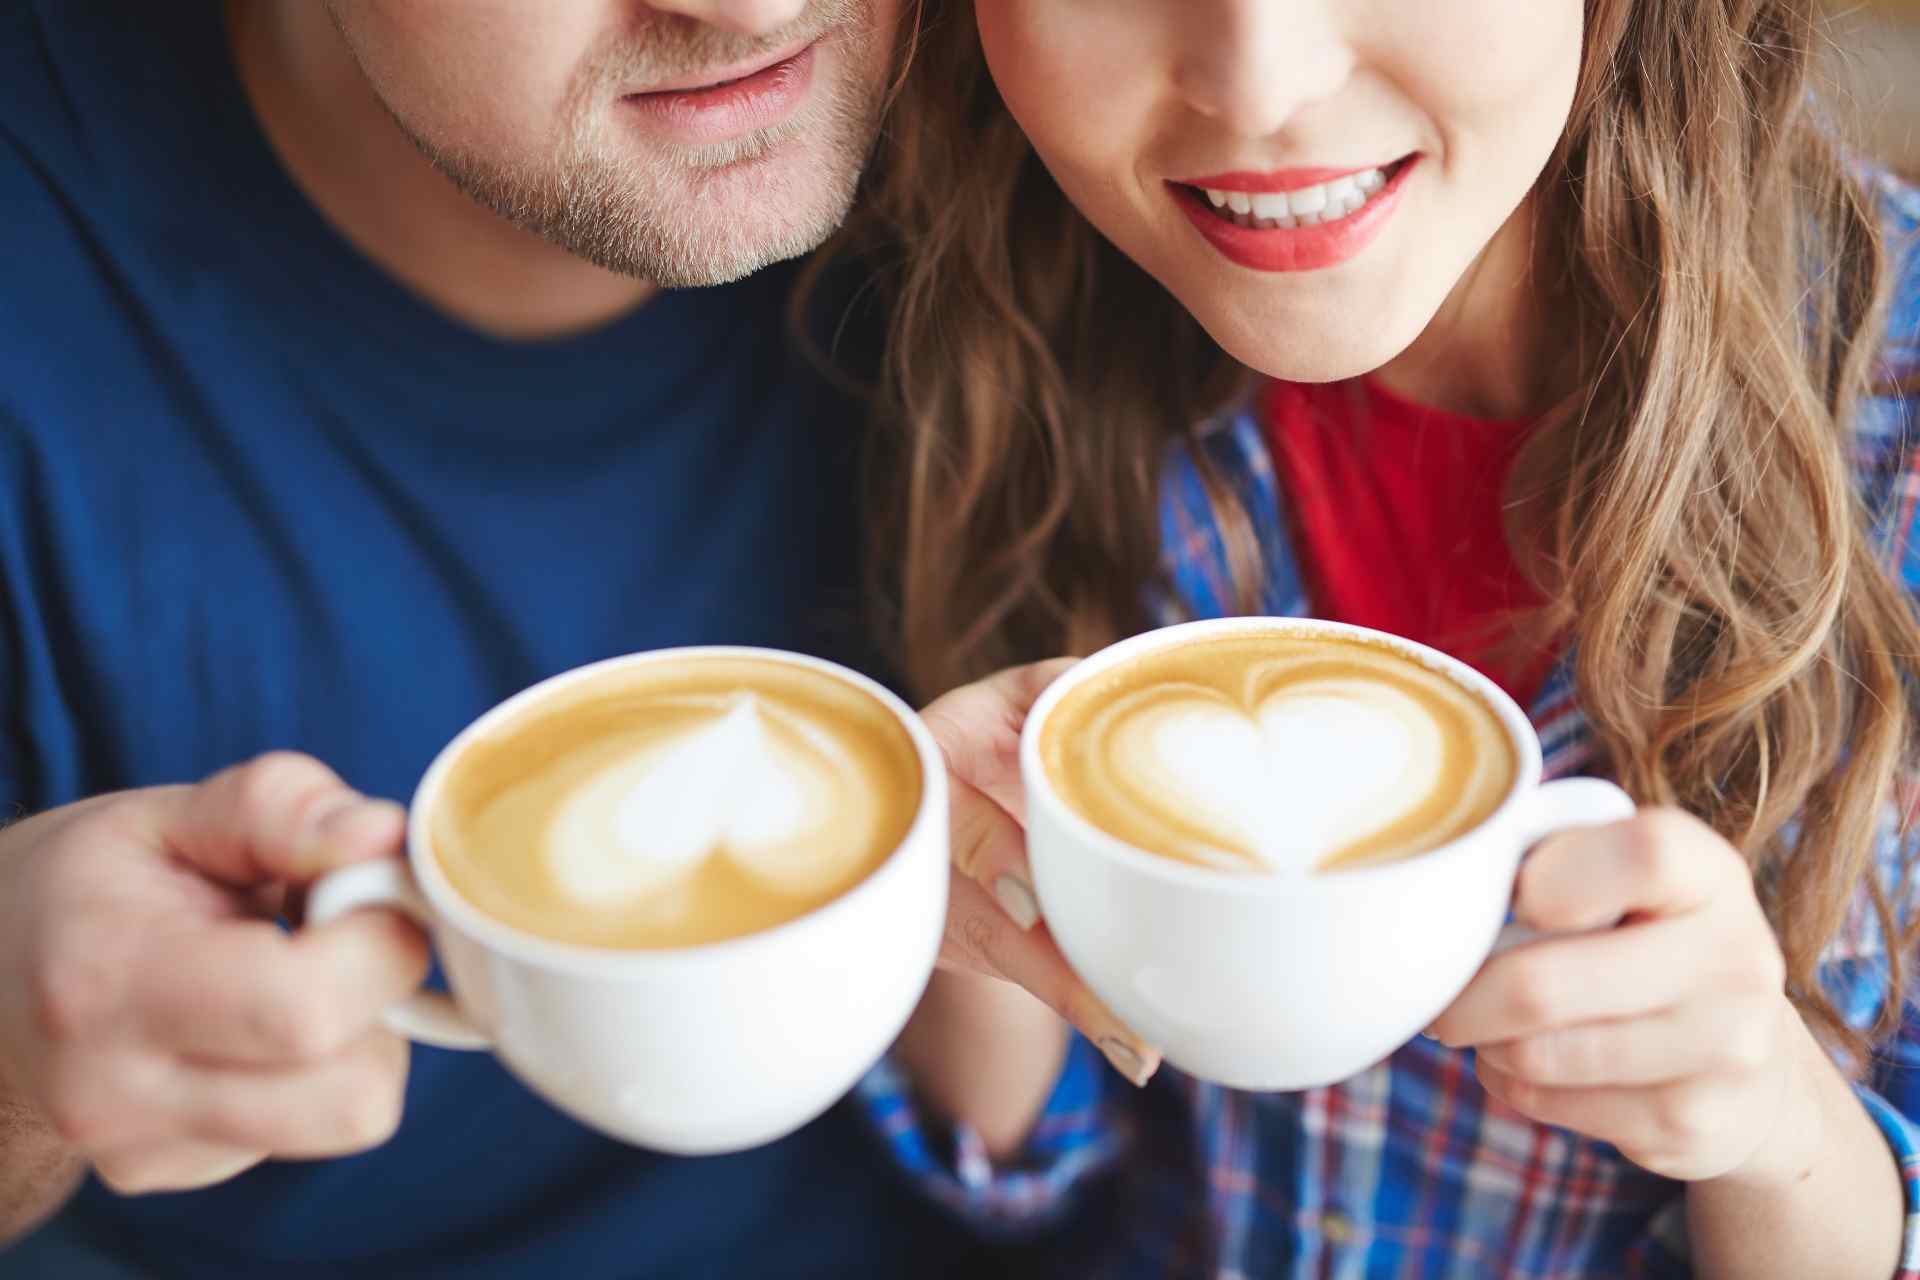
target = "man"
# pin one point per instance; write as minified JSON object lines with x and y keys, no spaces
{"x":345,"y":388}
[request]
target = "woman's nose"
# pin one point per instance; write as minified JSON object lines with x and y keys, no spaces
{"x":1253,"y":65}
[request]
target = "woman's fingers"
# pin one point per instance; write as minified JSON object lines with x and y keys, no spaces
{"x":1659,"y":864}
{"x":978,"y":728}
{"x":990,"y":849}
{"x":993,"y":914}
{"x":981,"y":939}
{"x":1666,"y":1127}
{"x":1662,"y":1035}
{"x":1692,"y":927}
{"x":1710,"y":1037}
{"x":1559,"y":983}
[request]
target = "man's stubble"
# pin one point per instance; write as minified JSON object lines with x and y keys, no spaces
{"x":679,"y":216}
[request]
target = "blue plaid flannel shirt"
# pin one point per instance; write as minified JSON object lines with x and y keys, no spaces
{"x":1408,"y":1169}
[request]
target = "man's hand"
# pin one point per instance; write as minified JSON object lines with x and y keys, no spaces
{"x":153,"y":1015}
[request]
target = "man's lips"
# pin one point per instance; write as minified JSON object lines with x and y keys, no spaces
{"x":718,"y":77}
{"x":719,"y":111}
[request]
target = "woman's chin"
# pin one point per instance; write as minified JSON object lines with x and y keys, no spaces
{"x":1305,"y":353}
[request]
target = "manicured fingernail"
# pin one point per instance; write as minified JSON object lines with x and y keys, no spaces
{"x":1016,"y":899}
{"x":1125,"y":1059}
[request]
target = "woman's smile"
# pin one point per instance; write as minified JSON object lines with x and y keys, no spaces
{"x":1313,"y":181}
{"x":1294,"y":219}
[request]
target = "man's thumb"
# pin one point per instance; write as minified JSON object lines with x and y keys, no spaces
{"x":281,"y":816}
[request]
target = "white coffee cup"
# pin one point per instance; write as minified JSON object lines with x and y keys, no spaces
{"x":696,"y":1050}
{"x":1287,"y":980}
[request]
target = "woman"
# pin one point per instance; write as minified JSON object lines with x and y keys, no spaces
{"x":1569,"y":356}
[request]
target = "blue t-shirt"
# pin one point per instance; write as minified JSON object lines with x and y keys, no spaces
{"x":254,"y":495}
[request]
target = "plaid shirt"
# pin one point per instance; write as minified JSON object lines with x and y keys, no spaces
{"x":1408,"y":1169}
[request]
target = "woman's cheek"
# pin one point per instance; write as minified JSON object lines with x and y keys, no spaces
{"x":1485,"y":62}
{"x":1073,"y":77}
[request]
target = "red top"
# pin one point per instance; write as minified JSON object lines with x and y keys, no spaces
{"x":1396,"y":512}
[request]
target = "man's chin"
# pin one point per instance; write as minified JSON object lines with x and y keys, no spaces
{"x":677,"y":226}
{"x":711,"y":226}
{"x":713,"y":249}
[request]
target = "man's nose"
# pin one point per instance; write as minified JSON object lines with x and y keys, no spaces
{"x":748,"y":17}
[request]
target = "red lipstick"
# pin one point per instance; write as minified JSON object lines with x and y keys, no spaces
{"x":1281,"y":180}
{"x":1288,"y":249}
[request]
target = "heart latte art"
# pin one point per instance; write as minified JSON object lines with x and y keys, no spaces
{"x":1269,"y":753}
{"x":678,"y":803}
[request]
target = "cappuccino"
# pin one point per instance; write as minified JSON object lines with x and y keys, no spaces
{"x":1276,"y":752}
{"x":677,"y":803}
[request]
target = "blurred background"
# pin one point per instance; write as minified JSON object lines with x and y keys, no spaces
{"x":1876,"y":61}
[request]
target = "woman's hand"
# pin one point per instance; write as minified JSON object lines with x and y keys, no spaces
{"x":1663,"y":1025}
{"x":993,"y":916}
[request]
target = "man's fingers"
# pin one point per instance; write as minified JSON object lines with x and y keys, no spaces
{"x":172,"y":1166}
{"x":279,"y":817}
{"x":980,"y":939}
{"x":990,"y":849}
{"x":230,"y":1119}
{"x":341,"y":1104}
{"x":245,"y":992}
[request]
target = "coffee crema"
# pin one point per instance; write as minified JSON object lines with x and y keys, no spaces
{"x":676,"y":803}
{"x":1271,"y":752}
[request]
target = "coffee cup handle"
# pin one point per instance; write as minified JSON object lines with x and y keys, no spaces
{"x":1560,"y":806}
{"x":426,"y":1016}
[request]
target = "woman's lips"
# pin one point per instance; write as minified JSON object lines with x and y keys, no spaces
{"x":1283,"y":179}
{"x":1282,"y":248}
{"x":725,"y":111}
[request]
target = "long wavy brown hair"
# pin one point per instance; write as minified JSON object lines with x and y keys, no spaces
{"x":1741,"y":651}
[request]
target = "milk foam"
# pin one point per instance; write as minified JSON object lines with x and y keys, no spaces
{"x":1312,"y":768}
{"x":751,"y":784}
{"x":1278,"y":754}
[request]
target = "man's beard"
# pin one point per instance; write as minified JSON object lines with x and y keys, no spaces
{"x":683,"y":216}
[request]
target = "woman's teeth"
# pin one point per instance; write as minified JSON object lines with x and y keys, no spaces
{"x":1307,"y":207}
